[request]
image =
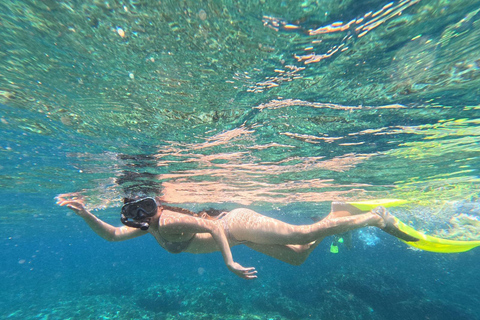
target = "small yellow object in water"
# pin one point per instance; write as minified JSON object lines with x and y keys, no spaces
{"x":291,"y":27}
{"x":120,"y":32}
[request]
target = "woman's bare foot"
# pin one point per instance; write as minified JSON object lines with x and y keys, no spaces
{"x":390,"y":225}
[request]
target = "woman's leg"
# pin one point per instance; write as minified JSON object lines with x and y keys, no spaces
{"x":247,"y":225}
{"x":294,"y":254}
{"x":260,"y":230}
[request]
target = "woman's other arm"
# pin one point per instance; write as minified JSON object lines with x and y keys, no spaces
{"x":188,"y":224}
{"x":103,"y":229}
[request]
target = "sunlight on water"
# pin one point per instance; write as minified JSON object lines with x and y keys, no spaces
{"x":241,"y":103}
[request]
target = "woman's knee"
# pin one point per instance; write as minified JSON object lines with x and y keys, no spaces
{"x":299,"y":254}
{"x":296,"y":262}
{"x":298,"y":258}
{"x":302,"y":235}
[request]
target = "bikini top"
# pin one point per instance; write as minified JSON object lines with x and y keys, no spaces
{"x":180,"y":246}
{"x":173,"y":246}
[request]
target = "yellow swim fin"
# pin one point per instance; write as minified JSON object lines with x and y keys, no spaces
{"x":408,"y":234}
{"x":434,"y":244}
{"x":372,"y":204}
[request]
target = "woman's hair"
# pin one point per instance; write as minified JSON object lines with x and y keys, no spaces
{"x":212,"y":212}
{"x":209,"y":213}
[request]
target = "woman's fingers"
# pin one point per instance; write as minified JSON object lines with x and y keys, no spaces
{"x":250,"y":276}
{"x":249,"y":273}
{"x":73,"y":195}
{"x":70,"y":196}
{"x":76,"y":206}
{"x":62,"y":202}
{"x":67,"y":203}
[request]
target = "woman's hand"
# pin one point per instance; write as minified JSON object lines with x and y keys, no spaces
{"x":242,"y":272}
{"x":75,"y":204}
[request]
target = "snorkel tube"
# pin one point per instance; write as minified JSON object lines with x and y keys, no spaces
{"x":143,"y":225}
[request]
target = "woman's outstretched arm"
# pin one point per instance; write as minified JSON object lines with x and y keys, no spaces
{"x":188,"y":224}
{"x":103,"y":229}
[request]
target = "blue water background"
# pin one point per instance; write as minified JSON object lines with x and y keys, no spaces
{"x":48,"y":263}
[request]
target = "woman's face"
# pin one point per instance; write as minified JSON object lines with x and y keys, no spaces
{"x":140,"y":209}
{"x":139,"y":213}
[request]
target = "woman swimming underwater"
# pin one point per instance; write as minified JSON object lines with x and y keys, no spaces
{"x":179,"y":230}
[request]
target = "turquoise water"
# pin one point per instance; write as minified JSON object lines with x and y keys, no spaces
{"x":278,"y":106}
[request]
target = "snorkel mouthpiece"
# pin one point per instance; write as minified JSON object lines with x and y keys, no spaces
{"x":143,"y":225}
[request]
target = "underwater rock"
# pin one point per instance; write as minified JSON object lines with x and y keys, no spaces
{"x":319,"y":299}
{"x":390,"y":298}
{"x":209,"y":299}
{"x":428,"y":309}
{"x":265,"y":301}
{"x":162,"y":298}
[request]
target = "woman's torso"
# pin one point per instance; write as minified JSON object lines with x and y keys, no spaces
{"x":182,"y":241}
{"x":186,"y":242}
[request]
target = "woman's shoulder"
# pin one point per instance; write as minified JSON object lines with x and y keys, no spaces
{"x":210,"y":213}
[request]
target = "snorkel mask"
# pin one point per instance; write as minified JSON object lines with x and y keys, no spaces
{"x":140,"y":211}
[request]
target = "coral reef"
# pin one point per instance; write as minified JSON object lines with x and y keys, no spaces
{"x":363,"y":294}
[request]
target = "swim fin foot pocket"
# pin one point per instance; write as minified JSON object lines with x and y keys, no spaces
{"x":390,"y":225}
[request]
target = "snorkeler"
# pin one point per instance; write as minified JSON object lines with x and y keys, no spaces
{"x":179,"y":230}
